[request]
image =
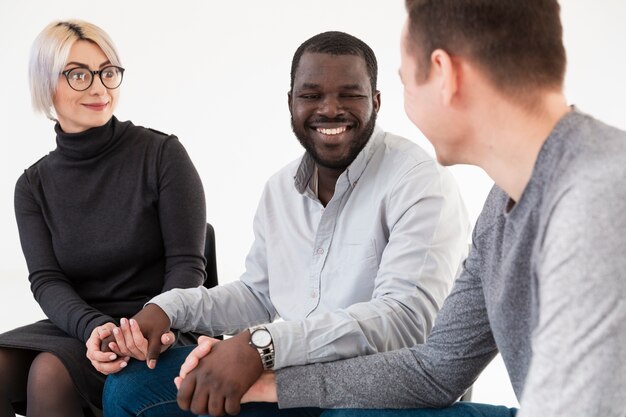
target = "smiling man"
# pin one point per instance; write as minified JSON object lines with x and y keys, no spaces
{"x":356,"y":245}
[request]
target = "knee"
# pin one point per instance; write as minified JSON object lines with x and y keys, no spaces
{"x":14,"y":368}
{"x":137,"y":388}
{"x":114,"y":395}
{"x":5,"y":365}
{"x":47,"y":372}
{"x":122,"y":387}
{"x":129,"y":391}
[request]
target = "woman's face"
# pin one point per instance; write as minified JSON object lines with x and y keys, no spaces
{"x":78,"y":111}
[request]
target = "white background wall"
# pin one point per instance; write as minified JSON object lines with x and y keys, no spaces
{"x":217,"y":73}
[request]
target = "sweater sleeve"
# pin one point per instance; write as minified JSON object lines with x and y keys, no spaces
{"x":182,"y":215}
{"x":229,"y":308}
{"x":434,"y":374}
{"x":579,"y":360}
{"x":51,"y":288}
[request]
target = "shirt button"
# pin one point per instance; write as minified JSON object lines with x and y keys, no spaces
{"x":320,"y":251}
{"x":313,"y":294}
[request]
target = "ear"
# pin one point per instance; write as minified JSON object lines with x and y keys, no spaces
{"x":447,"y":72}
{"x":376,"y":101}
{"x":289,"y":101}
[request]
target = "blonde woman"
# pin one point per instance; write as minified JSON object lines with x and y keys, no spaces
{"x":113,"y":216}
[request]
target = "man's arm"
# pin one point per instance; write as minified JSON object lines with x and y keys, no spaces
{"x":579,"y":356}
{"x":230,"y":308}
{"x":427,"y":241}
{"x":424,"y":212}
{"x":434,"y":374}
{"x":221,"y":310}
{"x":225,"y":309}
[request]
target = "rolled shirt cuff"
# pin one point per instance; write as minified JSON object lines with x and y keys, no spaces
{"x":289,"y":344}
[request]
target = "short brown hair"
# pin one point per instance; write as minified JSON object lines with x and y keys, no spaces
{"x":517,"y":43}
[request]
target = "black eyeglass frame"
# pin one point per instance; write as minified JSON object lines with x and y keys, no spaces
{"x":66,"y":73}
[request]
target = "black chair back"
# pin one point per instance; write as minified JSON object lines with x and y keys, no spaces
{"x":211,"y":258}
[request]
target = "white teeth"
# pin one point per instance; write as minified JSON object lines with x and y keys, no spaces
{"x":334,"y":131}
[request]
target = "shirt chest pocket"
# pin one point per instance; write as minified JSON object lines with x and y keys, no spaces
{"x":357,"y":266}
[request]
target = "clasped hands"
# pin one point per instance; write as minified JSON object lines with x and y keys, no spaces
{"x":143,"y":337}
{"x":218,"y":376}
{"x":214,"y":383}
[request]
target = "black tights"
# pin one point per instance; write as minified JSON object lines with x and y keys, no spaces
{"x":40,"y":380}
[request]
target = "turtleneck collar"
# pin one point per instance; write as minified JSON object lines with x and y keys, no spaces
{"x":90,"y":143}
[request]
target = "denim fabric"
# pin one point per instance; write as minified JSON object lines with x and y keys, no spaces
{"x":138,"y":391}
{"x":457,"y":410}
{"x":461,"y":409}
{"x":271,"y":410}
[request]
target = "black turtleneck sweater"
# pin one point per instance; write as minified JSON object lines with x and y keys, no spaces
{"x":112,"y":217}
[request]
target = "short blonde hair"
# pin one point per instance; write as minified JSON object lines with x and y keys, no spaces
{"x":49,"y":56}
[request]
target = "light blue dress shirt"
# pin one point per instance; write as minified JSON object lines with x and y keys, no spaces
{"x":367,"y":273}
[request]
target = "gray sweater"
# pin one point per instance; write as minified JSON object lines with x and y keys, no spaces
{"x":544,"y":284}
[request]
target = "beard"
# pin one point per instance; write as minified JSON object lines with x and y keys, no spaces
{"x":355,"y":147}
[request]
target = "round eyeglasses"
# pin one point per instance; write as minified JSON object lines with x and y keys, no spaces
{"x":81,"y":78}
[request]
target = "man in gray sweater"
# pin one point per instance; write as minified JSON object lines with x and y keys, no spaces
{"x":545,"y":282}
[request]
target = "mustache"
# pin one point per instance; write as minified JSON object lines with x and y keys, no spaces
{"x":324,"y":119}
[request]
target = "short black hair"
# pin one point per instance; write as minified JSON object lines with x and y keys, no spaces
{"x":337,"y":43}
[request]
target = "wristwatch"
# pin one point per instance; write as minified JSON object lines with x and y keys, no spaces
{"x":261,"y":340}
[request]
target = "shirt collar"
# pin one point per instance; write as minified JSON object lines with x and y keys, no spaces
{"x":352,"y":173}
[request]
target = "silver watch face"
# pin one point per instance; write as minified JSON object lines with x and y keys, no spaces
{"x":261,"y":338}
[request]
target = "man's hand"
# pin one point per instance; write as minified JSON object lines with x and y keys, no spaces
{"x":105,"y":361}
{"x":144,"y":336}
{"x":154,"y":325}
{"x":205,"y":343}
{"x":220,"y":379}
{"x":263,"y":390}
{"x":128,"y":340}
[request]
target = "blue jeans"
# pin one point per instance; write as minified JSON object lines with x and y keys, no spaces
{"x":141,"y":392}
{"x":460,"y":409}
{"x":138,"y":391}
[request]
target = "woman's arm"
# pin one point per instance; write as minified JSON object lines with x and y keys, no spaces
{"x":52,"y":289}
{"x":182,"y":215}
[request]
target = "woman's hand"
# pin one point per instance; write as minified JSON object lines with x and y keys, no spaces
{"x":106,"y":362}
{"x":127,"y":340}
